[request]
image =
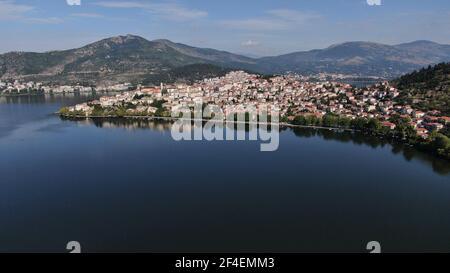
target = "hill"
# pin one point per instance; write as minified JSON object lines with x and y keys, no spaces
{"x":427,"y":89}
{"x":211,"y":55}
{"x":133,"y":59}
{"x":117,"y":59}
{"x":360,"y":58}
{"x":188,"y":74}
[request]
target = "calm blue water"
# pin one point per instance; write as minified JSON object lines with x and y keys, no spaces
{"x":118,"y":186}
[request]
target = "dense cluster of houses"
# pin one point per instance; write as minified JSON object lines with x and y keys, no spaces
{"x":19,"y":87}
{"x":290,"y":95}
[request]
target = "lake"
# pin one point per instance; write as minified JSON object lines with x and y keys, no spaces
{"x":117,"y":185}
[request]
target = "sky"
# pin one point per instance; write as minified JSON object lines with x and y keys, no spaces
{"x":250,"y":27}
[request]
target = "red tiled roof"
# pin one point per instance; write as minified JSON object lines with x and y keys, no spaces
{"x":388,"y":124}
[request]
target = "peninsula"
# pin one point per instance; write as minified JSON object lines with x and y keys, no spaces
{"x":379,"y":109}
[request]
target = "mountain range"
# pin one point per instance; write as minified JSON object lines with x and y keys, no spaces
{"x":133,"y":59}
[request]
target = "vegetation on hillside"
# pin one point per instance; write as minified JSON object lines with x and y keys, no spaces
{"x":131,"y":58}
{"x":426,"y":89}
{"x":188,"y":74}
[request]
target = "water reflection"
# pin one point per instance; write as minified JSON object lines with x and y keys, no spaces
{"x":150,"y":123}
{"x":438,"y":165}
{"x":26,"y":110}
{"x":120,"y":190}
{"x":53,"y":98}
{"x":157,"y":125}
{"x":409,"y":153}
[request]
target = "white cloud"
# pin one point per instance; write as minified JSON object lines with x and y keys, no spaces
{"x":250,"y":43}
{"x":73,"y":2}
{"x":48,"y":20}
{"x":278,"y":19}
{"x":9,"y":10}
{"x":121,"y":4}
{"x":254,"y":24}
{"x":176,"y":12}
{"x":169,"y":11}
{"x":87,"y":15}
{"x":293,"y":16}
{"x":374,"y":2}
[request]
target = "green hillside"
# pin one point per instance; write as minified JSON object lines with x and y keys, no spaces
{"x":427,"y":89}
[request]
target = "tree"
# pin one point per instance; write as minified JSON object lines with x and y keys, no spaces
{"x":440,"y":144}
{"x":330,"y":120}
{"x":300,"y":120}
{"x":64,"y":111}
{"x":446,"y":130}
{"x":158,"y":103}
{"x":358,"y":123}
{"x":373,"y":125}
{"x":97,"y":111}
{"x":121,"y":112}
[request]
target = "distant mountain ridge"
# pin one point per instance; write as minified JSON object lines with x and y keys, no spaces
{"x":360,"y":58}
{"x":133,"y":58}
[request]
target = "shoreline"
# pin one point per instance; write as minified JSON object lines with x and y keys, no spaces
{"x":281,"y":124}
{"x":62,"y":93}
